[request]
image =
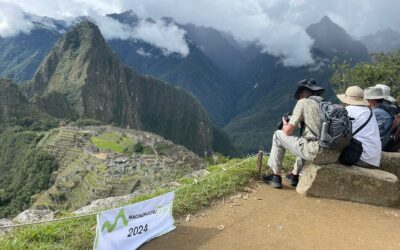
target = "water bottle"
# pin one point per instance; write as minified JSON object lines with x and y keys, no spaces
{"x":324,"y":132}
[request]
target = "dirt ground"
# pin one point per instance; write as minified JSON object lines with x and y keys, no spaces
{"x":281,"y":219}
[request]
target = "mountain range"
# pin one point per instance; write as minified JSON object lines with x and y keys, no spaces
{"x":382,"y":41}
{"x":244,"y":91}
{"x":81,"y":77}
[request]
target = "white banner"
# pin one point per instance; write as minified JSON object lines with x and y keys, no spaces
{"x":127,"y":228}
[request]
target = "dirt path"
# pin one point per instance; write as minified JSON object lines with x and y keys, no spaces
{"x":282,"y":219}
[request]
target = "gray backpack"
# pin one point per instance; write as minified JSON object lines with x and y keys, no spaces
{"x":336,"y":125}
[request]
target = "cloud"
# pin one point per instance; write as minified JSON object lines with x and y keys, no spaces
{"x":159,"y":32}
{"x":168,"y":37}
{"x":247,"y":20}
{"x":13,"y":20}
{"x":278,"y":25}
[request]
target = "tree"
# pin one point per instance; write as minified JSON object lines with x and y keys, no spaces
{"x":384,"y":69}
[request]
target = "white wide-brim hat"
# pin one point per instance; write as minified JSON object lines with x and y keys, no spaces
{"x":386,"y":93}
{"x":391,"y":99}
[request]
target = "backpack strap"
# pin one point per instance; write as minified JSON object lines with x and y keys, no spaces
{"x":318,"y":99}
{"x":385,"y":108}
{"x":363,"y":126}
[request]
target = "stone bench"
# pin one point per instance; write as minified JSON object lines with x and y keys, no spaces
{"x":370,"y":186}
{"x":390,"y":162}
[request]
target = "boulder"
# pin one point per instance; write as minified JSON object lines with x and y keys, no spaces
{"x":390,"y":162}
{"x":5,"y":223}
{"x":107,"y":203}
{"x":370,"y":186}
{"x":33,"y":215}
{"x":198,"y":174}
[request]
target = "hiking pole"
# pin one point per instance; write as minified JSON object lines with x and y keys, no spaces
{"x":259,"y":162}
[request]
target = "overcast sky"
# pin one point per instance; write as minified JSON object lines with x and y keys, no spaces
{"x":277,"y":24}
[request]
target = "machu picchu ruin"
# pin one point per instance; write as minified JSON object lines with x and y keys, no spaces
{"x":104,"y":161}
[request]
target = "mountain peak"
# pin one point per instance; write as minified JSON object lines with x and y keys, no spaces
{"x":128,"y":17}
{"x":168,"y":20}
{"x":84,"y":32}
{"x":333,"y":40}
{"x":326,"y":25}
{"x":386,"y":40}
{"x":66,"y":66}
{"x":326,"y":19}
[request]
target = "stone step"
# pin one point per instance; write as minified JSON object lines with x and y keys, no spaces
{"x":390,"y":162}
{"x":370,"y":186}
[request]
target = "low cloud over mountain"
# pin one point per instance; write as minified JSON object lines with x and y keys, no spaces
{"x":278,"y":26}
{"x":166,"y":36}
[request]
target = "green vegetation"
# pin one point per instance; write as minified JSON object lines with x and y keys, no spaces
{"x":25,"y":169}
{"x":114,"y":142}
{"x":79,"y":233}
{"x":15,"y":110}
{"x":185,"y":181}
{"x":216,"y":158}
{"x":384,"y":69}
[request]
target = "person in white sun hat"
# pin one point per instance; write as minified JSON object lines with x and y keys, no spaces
{"x":383,"y":114}
{"x":363,"y":117}
{"x":389,"y":100}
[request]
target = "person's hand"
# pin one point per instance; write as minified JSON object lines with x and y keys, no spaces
{"x":284,"y":121}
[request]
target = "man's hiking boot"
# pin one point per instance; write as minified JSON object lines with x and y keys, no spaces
{"x":292,"y":179}
{"x":273,"y":180}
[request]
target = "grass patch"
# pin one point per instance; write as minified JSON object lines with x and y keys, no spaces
{"x":214,"y":168}
{"x":79,"y":233}
{"x":185,"y":181}
{"x":113,"y":142}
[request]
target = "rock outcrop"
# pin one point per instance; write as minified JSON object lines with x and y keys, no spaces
{"x":370,"y":186}
{"x":33,"y":215}
{"x":107,"y":203}
{"x":390,"y":162}
{"x":5,"y":223}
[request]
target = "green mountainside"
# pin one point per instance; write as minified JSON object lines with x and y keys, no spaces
{"x":20,"y":55}
{"x":261,"y":108}
{"x":24,"y":169}
{"x":196,"y":73}
{"x":82,"y":77}
{"x":15,"y":110}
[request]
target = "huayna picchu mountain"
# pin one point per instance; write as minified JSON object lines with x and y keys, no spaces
{"x":82,"y":77}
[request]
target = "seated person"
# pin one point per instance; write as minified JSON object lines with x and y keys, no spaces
{"x":389,"y":100}
{"x":369,"y":136}
{"x":305,"y":148}
{"x":383,"y":114}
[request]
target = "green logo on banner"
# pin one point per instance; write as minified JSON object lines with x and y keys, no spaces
{"x":110,"y":227}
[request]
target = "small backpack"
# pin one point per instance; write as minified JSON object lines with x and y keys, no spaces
{"x":393,"y":144}
{"x":336,"y":130}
